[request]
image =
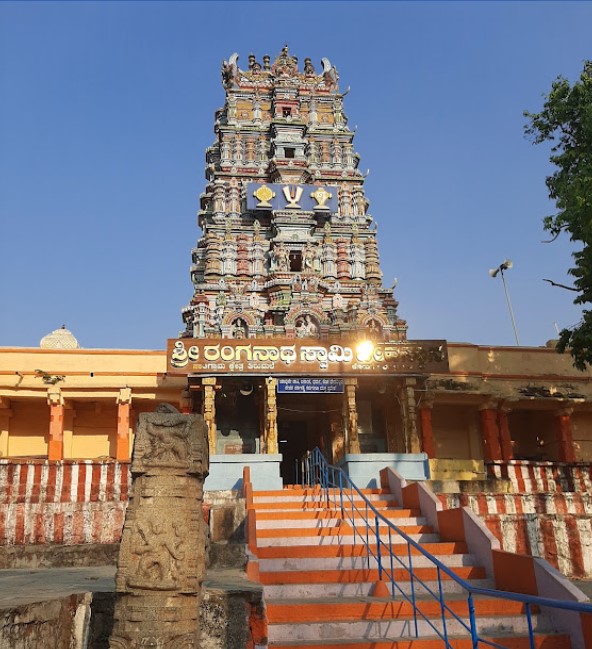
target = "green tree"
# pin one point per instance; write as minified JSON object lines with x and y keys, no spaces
{"x":566,"y":122}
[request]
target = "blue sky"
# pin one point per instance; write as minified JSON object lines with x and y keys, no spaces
{"x":107,"y":108}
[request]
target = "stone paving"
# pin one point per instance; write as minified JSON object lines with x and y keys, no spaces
{"x":19,"y":587}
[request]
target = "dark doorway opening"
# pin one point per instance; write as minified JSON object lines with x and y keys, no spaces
{"x":303,"y":423}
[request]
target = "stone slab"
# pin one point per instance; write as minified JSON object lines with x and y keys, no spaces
{"x":226,"y":471}
{"x":364,"y":468}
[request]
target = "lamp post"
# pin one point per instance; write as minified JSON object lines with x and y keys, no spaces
{"x":506,"y":265}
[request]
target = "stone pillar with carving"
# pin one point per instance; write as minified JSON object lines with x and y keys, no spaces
{"x":427,"y":434}
{"x":564,"y":435}
{"x":5,"y":415}
{"x":209,"y":410}
{"x":55,"y":449}
{"x":122,"y":444}
{"x":490,"y":432}
{"x":409,"y":412}
{"x":162,"y":558}
{"x":271,"y":431}
{"x":505,"y":439}
{"x":350,"y":411}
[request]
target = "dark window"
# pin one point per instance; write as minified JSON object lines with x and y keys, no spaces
{"x":286,"y":111}
{"x":295,"y":261}
{"x":290,"y":153}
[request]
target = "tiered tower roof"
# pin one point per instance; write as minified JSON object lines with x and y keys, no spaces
{"x":288,"y":246}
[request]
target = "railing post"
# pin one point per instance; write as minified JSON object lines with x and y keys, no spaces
{"x":443,"y":609}
{"x":378,"y":555}
{"x":473,"y":622}
{"x":390,"y":545}
{"x":412,"y":581}
{"x":341,"y":494}
{"x":529,"y":621}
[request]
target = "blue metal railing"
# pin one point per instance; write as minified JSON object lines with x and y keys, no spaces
{"x":377,"y":533}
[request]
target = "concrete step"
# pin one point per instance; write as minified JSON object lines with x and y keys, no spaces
{"x":392,"y":513}
{"x":281,"y":523}
{"x":333,"y":538}
{"x":309,"y":564}
{"x":399,"y":628}
{"x":358,"y":550}
{"x":343,"y":575}
{"x":283,"y":504}
{"x":541,"y":641}
{"x":421,"y":588}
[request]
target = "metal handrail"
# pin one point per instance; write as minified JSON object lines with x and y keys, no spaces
{"x":316,"y":470}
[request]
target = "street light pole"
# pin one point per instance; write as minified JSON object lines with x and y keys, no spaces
{"x":507,"y":264}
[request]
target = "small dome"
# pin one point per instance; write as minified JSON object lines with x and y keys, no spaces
{"x":59,"y":339}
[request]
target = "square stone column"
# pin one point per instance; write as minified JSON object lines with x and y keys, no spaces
{"x":564,"y":435}
{"x":409,"y":414}
{"x":55,"y":450}
{"x":427,"y":435}
{"x":122,"y":445}
{"x":5,"y":415}
{"x":490,"y":432}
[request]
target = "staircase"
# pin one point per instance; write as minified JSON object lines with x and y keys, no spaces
{"x":321,"y":590}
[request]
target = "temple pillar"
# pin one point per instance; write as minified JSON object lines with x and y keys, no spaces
{"x":409,"y":413}
{"x":564,"y":435}
{"x":270,"y":434}
{"x":122,"y":444}
{"x":350,"y":412}
{"x":427,"y":435}
{"x":337,"y":438}
{"x":55,"y":447}
{"x":186,"y":402}
{"x":209,"y":410}
{"x":505,"y":440}
{"x":5,"y":415}
{"x":490,"y":432}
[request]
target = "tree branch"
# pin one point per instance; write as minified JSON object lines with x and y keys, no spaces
{"x":567,"y":288}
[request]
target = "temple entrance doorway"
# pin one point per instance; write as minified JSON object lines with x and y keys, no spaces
{"x":303,"y":424}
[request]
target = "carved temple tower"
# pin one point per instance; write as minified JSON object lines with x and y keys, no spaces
{"x":288,"y":252}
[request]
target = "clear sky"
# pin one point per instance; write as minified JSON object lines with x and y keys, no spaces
{"x":106,"y":109}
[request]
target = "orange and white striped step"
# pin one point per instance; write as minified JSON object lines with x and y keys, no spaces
{"x":511,"y":642}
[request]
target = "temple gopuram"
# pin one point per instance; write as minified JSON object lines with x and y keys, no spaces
{"x":291,"y":340}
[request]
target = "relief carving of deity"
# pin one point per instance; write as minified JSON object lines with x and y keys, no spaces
{"x":306,"y":327}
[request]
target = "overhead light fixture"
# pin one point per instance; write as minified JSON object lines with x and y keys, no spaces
{"x":493,"y":272}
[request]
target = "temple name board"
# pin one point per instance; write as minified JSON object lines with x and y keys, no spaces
{"x":309,"y":386}
{"x":304,"y":356}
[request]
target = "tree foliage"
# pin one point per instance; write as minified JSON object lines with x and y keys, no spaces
{"x":566,"y":122}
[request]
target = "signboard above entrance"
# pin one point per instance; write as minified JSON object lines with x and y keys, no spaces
{"x":306,"y":357}
{"x":309,"y":386}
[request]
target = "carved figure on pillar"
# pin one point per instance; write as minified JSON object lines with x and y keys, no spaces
{"x":209,"y":410}
{"x":351,"y":416}
{"x":162,"y":560}
{"x":271,"y":431}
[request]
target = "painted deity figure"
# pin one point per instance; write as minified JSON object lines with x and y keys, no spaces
{"x":239,"y":329}
{"x":306,"y":327}
{"x":280,"y":257}
{"x":308,"y":257}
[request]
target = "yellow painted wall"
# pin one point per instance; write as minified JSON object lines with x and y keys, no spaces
{"x":29,"y":429}
{"x":582,"y":435}
{"x":95,"y":429}
{"x":456,"y":432}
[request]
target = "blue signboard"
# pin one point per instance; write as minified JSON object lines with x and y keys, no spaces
{"x":273,"y":196}
{"x":309,"y":386}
